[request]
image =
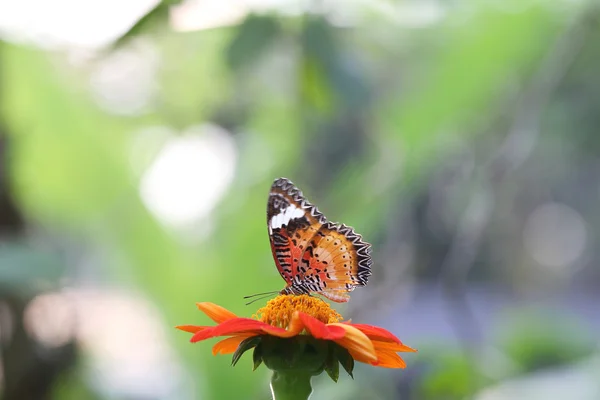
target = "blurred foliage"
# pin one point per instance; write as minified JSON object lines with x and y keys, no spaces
{"x":447,"y":374}
{"x":534,"y":342}
{"x":377,"y":121}
{"x":157,"y":19}
{"x":253,"y":37}
{"x":72,"y":386}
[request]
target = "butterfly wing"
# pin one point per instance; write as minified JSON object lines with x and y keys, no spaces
{"x":335,"y":262}
{"x":311,"y":254}
{"x":292,"y":222}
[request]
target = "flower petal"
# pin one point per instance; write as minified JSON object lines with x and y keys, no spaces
{"x":294,"y":328}
{"x":229,"y":345}
{"x":376,"y":333}
{"x":361,"y":357}
{"x":216,"y":312}
{"x":319,"y":330}
{"x":230,"y":327}
{"x":392,"y":347}
{"x":357,"y":343}
{"x":386,"y":359}
{"x":191,"y":328}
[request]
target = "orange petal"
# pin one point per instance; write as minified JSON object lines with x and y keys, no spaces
{"x":294,"y":328}
{"x":229,"y":345}
{"x":357,"y":343}
{"x":386,"y":359}
{"x":191,"y":328}
{"x":392,"y":347}
{"x":377,"y":333}
{"x":360,"y":356}
{"x":215,"y":312}
{"x":319,"y":330}
{"x":229,"y":328}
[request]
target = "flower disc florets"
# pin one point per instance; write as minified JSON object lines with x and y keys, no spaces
{"x":279,"y":311}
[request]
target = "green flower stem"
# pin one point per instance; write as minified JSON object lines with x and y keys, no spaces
{"x":293,"y":362}
{"x":291,"y":385}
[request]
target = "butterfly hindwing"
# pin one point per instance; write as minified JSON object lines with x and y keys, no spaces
{"x":336,"y":261}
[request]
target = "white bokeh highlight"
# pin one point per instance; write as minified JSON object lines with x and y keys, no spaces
{"x":555,"y":235}
{"x":124,"y":82}
{"x":189,"y":175}
{"x":59,"y":23}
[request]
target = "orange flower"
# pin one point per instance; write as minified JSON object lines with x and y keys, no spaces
{"x":292,"y":317}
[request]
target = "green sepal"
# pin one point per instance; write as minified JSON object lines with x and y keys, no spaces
{"x":332,"y":365}
{"x":345,"y":359}
{"x":257,"y":357}
{"x":244,"y":346}
{"x":298,"y":353}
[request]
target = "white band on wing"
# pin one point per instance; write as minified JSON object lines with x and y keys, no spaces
{"x":285,"y":216}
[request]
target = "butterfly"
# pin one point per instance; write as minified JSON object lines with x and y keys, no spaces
{"x":312,"y":254}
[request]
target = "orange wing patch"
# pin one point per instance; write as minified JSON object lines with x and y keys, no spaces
{"x":288,"y":247}
{"x":336,"y":262}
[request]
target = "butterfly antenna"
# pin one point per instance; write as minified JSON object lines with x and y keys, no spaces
{"x":260,"y":294}
{"x":260,"y":298}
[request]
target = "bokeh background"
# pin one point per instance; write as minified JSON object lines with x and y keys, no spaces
{"x":138,"y":141}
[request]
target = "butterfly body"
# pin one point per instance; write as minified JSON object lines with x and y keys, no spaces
{"x":312,"y":254}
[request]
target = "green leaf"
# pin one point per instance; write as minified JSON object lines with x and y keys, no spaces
{"x":332,"y":365}
{"x":477,"y":60}
{"x":253,"y":37}
{"x":318,"y":39}
{"x":158,"y":15}
{"x":345,"y":359}
{"x":314,"y":86}
{"x":243,"y":347}
{"x":330,"y":75}
{"x":257,"y":357}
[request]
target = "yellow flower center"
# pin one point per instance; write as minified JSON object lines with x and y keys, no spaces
{"x":278,"y":311}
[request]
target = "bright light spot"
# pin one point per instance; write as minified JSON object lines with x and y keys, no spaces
{"x":125,"y":339}
{"x":50,"y":319}
{"x":197,"y":15}
{"x":189,"y":175}
{"x":411,"y":14}
{"x":125,"y":82}
{"x":555,"y":235}
{"x":70,"y":22}
{"x":201,"y":14}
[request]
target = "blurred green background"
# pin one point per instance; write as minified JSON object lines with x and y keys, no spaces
{"x":138,"y":141}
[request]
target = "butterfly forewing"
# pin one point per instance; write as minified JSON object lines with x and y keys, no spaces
{"x":292,"y":222}
{"x":311,"y":254}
